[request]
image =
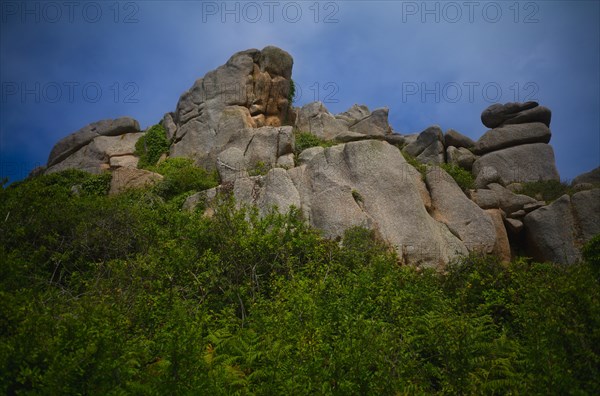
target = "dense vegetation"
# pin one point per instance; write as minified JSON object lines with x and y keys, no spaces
{"x":151,"y":146}
{"x":129,"y":295}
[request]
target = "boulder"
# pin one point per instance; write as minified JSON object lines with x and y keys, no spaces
{"x":130,"y":178}
{"x":316,"y":119}
{"x":512,"y":135}
{"x":463,"y":217}
{"x":428,"y":148}
{"x":125,"y":161}
{"x":537,"y":114}
{"x":586,"y":207}
{"x":486,"y":175}
{"x":498,"y":197}
{"x":252,"y":87}
{"x":496,"y":114}
{"x":501,"y":247}
{"x":116,"y":145}
{"x":591,"y":177}
{"x":457,"y":139}
{"x":366,"y":122}
{"x":550,"y":232}
{"x":75,"y":141}
{"x":461,"y":157}
{"x":170,"y":126}
{"x":231,"y":164}
{"x":525,"y":163}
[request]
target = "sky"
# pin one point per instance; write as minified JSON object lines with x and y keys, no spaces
{"x":65,"y":64}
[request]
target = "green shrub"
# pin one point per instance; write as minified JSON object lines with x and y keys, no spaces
{"x":182,"y":176}
{"x":151,"y":146}
{"x":463,"y":177}
{"x":260,"y":169}
{"x":306,"y":140}
{"x":546,"y":190}
{"x":422,"y":168}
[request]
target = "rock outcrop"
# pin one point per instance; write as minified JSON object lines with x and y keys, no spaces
{"x":250,"y":91}
{"x":97,"y":147}
{"x":238,"y":120}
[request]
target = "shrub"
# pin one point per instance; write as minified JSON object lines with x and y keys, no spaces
{"x":463,"y":177}
{"x":260,"y":169}
{"x":422,"y":168}
{"x":151,"y":146}
{"x":546,"y":190}
{"x":182,"y":176}
{"x":292,"y":92}
{"x":306,"y":140}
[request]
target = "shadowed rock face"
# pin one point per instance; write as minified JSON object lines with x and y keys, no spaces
{"x":237,"y":120}
{"x":250,"y":91}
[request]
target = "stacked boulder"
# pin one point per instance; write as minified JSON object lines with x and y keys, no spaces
{"x":237,"y":119}
{"x":516,"y":149}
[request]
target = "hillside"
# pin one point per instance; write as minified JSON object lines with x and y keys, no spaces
{"x":246,"y":246}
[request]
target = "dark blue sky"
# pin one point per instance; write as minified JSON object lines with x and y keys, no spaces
{"x":66,"y":64}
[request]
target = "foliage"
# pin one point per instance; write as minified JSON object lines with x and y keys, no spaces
{"x":260,"y":169}
{"x":545,"y":190}
{"x":305,"y":140}
{"x":463,"y":177}
{"x":422,"y":168}
{"x":151,"y":146}
{"x":182,"y":176}
{"x":129,"y":295}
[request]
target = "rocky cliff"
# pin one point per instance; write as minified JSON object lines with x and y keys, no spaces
{"x":239,"y":117}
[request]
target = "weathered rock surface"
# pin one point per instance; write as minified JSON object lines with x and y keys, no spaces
{"x":250,"y":90}
{"x":586,"y":206}
{"x":502,"y":246}
{"x":457,"y":139}
{"x":75,"y":141}
{"x":591,"y":177}
{"x":537,"y":114}
{"x":525,"y":163}
{"x":462,"y":216}
{"x":512,"y":135}
{"x":428,"y":148}
{"x":128,"y":178}
{"x":498,"y":197}
{"x":460,"y":156}
{"x":556,"y":232}
{"x":496,"y":114}
{"x":316,"y":119}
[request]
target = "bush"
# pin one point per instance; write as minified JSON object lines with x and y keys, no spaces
{"x":306,"y":140}
{"x":463,"y":177}
{"x":182,"y":176}
{"x":422,"y":168}
{"x":151,"y":146}
{"x":547,"y":190}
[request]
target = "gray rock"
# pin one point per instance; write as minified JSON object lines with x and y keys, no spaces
{"x":253,"y":86}
{"x":514,"y":226}
{"x":496,"y":114}
{"x":457,"y":139}
{"x":586,"y":205}
{"x":518,"y":214}
{"x":461,"y":157}
{"x":526,"y":163}
{"x":591,"y":177}
{"x":374,"y":124}
{"x":512,"y":135}
{"x":486,"y":175}
{"x":169,"y":124}
{"x":316,"y":119}
{"x":75,"y":141}
{"x":87,"y":159}
{"x":395,"y":139}
{"x":231,"y":164}
{"x":501,"y":246}
{"x":430,"y":136}
{"x":125,"y":161}
{"x":550,"y":233}
{"x":116,"y":145}
{"x":434,"y":154}
{"x":463,"y":217}
{"x":129,"y":178}
{"x":537,"y":114}
{"x":498,"y":197}
{"x":308,"y":154}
